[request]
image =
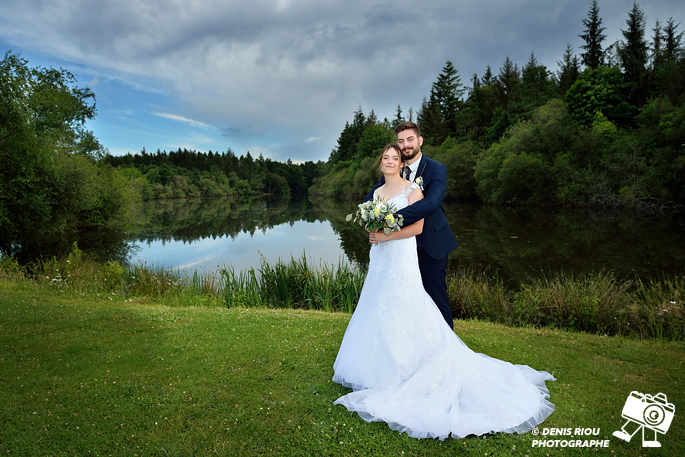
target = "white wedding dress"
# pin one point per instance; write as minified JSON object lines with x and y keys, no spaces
{"x":409,"y":369}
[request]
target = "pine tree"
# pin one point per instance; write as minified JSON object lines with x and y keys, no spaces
{"x":349,"y":138}
{"x":447,"y":92}
{"x":398,"y":117}
{"x":359,"y":122}
{"x":633,"y":55}
{"x":477,"y":114}
{"x":371,"y":120}
{"x":488,"y":78}
{"x":569,"y":69}
{"x":611,"y":55}
{"x":667,"y":72}
{"x":475,"y":81}
{"x":534,"y":90}
{"x":672,"y":39}
{"x":593,"y":56}
{"x":346,"y":145}
{"x":430,"y":121}
{"x":507,"y":81}
{"x":657,"y":44}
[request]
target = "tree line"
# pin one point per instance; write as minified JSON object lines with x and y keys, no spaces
{"x":606,"y":128}
{"x":187,"y":173}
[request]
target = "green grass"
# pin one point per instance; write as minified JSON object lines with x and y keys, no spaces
{"x":100,"y":375}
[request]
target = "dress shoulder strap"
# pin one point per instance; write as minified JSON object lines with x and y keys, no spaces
{"x":410,"y":189}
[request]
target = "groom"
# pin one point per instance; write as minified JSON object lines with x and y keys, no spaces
{"x":436,"y":241}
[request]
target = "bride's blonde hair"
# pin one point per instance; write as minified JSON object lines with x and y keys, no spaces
{"x":394,"y":146}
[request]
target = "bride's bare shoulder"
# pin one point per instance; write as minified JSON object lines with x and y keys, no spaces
{"x":380,"y":190}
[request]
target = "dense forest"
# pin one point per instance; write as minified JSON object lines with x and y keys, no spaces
{"x":183,"y":173}
{"x":607,"y":128}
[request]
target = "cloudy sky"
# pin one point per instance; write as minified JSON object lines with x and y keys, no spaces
{"x":281,"y":77}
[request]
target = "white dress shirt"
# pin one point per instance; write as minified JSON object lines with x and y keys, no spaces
{"x":414,"y":167}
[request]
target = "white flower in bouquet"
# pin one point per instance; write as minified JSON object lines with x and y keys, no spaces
{"x":377,"y":214}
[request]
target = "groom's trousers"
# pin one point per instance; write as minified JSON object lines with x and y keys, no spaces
{"x":434,"y":278}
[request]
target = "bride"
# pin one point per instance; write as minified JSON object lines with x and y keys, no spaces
{"x":406,"y":367}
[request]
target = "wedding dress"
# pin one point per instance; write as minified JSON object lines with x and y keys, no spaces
{"x":409,"y":369}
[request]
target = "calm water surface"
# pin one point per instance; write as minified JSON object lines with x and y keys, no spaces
{"x":316,"y":240}
{"x":517,"y":242}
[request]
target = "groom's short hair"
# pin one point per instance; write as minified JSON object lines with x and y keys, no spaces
{"x":406,"y":125}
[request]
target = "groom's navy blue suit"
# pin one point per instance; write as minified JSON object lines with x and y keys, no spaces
{"x":437,"y":240}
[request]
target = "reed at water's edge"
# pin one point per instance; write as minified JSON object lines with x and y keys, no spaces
{"x":594,"y":303}
{"x":294,"y":284}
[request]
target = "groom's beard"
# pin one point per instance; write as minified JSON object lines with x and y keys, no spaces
{"x":410,"y":153}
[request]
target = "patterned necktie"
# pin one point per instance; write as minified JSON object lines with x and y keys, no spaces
{"x":407,"y":172}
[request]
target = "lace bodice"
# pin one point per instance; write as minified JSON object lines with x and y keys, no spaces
{"x":400,"y":200}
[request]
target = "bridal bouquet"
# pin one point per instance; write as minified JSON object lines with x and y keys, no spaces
{"x":376,"y":215}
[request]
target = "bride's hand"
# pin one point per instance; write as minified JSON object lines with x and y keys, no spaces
{"x":378,"y":237}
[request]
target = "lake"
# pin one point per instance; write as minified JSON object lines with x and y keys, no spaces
{"x":514,"y":241}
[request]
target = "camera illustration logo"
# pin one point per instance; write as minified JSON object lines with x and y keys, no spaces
{"x":644,"y":411}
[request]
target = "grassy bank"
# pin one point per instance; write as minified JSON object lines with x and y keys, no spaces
{"x":82,"y":374}
{"x":594,"y":303}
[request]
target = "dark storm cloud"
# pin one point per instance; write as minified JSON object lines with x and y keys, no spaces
{"x":281,"y":72}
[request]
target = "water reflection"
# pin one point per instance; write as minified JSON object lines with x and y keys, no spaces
{"x":103,"y":244}
{"x":521,"y":241}
{"x":206,"y":234}
{"x":518,"y":242}
{"x":515,"y":241}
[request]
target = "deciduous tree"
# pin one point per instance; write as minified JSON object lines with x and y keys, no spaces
{"x":49,"y":176}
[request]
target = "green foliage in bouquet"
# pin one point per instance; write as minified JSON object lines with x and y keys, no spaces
{"x":376,"y":215}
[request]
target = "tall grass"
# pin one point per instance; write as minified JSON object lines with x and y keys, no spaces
{"x":294,"y":284}
{"x":595,"y":303}
{"x":77,"y":273}
{"x":478,"y":294}
{"x":10,"y":268}
{"x":657,"y":310}
{"x":155,"y":281}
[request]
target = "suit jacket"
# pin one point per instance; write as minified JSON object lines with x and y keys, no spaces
{"x":436,"y":239}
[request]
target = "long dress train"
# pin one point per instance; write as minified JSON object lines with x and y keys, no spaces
{"x":409,"y":369}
